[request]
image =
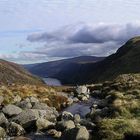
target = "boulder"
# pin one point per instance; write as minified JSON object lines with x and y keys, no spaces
{"x":17,"y":99}
{"x":15,"y":129}
{"x":77,"y":118}
{"x":43,"y":124}
{"x":84,"y":98}
{"x":1,"y":99}
{"x":26,"y":118}
{"x":3,"y":120}
{"x":67,"y":116}
{"x":46,"y":114}
{"x":2,"y":133}
{"x":25,"y":104}
{"x":75,"y":99}
{"x":41,"y":106}
{"x":69,"y":101}
{"x":33,"y":99}
{"x":63,"y":125}
{"x":80,"y":133}
{"x":11,"y":110}
{"x":54,"y":133}
{"x":21,"y":138}
{"x":89,"y":125}
{"x":82,"y":89}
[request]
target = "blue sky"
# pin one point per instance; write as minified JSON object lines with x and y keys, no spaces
{"x":42,"y":30}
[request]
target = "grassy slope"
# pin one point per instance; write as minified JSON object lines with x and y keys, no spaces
{"x":125,"y":60}
{"x":123,"y":102}
{"x":13,"y":73}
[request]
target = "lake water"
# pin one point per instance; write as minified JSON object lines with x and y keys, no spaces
{"x":52,"y":81}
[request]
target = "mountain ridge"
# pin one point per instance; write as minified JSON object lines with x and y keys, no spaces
{"x":13,"y":73}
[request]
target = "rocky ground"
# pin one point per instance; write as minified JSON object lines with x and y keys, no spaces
{"x":113,"y":115}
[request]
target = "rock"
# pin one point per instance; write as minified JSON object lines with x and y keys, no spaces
{"x":67,"y":116}
{"x":33,"y":99}
{"x":77,"y":118}
{"x":21,"y":138}
{"x":15,"y":129}
{"x":75,"y":99}
{"x":43,"y":124}
{"x":2,"y":133}
{"x":27,"y":118}
{"x":17,"y":99}
{"x":69,"y":101}
{"x":80,"y":133}
{"x":54,"y":133}
{"x":82,"y":89}
{"x":46,"y":114}
{"x":3,"y":120}
{"x":24,"y":104}
{"x":41,"y":106}
{"x":11,"y":110}
{"x":84,"y":98}
{"x":89,"y":125}
{"x":1,"y":99}
{"x":63,"y":125}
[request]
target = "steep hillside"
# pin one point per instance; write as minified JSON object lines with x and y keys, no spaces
{"x":64,"y":70}
{"x":125,"y":60}
{"x":13,"y":73}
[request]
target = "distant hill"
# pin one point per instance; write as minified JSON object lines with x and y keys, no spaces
{"x":126,"y":60}
{"x":83,"y":70}
{"x":65,"y":70}
{"x":14,"y":73}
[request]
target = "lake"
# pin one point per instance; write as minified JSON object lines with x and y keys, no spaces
{"x":52,"y":81}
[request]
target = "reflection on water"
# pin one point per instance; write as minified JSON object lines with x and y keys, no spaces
{"x":81,"y":108}
{"x":52,"y":82}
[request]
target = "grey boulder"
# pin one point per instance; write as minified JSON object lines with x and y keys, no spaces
{"x":11,"y":110}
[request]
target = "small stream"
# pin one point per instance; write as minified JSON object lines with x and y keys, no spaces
{"x":81,"y":108}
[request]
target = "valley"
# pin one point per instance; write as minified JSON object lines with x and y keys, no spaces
{"x":107,"y":108}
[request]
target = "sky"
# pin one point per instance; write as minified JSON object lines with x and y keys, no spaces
{"x":33,"y":31}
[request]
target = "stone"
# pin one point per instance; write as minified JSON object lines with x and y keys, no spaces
{"x":41,"y":106}
{"x":26,"y":118}
{"x":84,"y":98}
{"x":89,"y":125}
{"x":1,"y":99}
{"x":54,"y":133}
{"x":11,"y":110}
{"x":43,"y":124}
{"x":46,"y":114}
{"x":77,"y":118}
{"x":15,"y":129}
{"x":69,"y":101}
{"x":25,"y":104}
{"x":80,"y":133}
{"x":2,"y":133}
{"x":33,"y":99}
{"x":63,"y":125}
{"x":82,"y":89}
{"x":75,"y":99}
{"x":67,"y":116}
{"x":17,"y":99}
{"x":3,"y":120}
{"x":21,"y":138}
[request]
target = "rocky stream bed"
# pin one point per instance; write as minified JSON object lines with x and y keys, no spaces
{"x":29,"y":119}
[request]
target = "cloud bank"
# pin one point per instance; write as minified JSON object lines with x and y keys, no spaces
{"x":70,"y":41}
{"x":100,"y":40}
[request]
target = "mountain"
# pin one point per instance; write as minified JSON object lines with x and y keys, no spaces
{"x":126,"y":60}
{"x":84,"y":70}
{"x":65,"y":70}
{"x":14,"y":73}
